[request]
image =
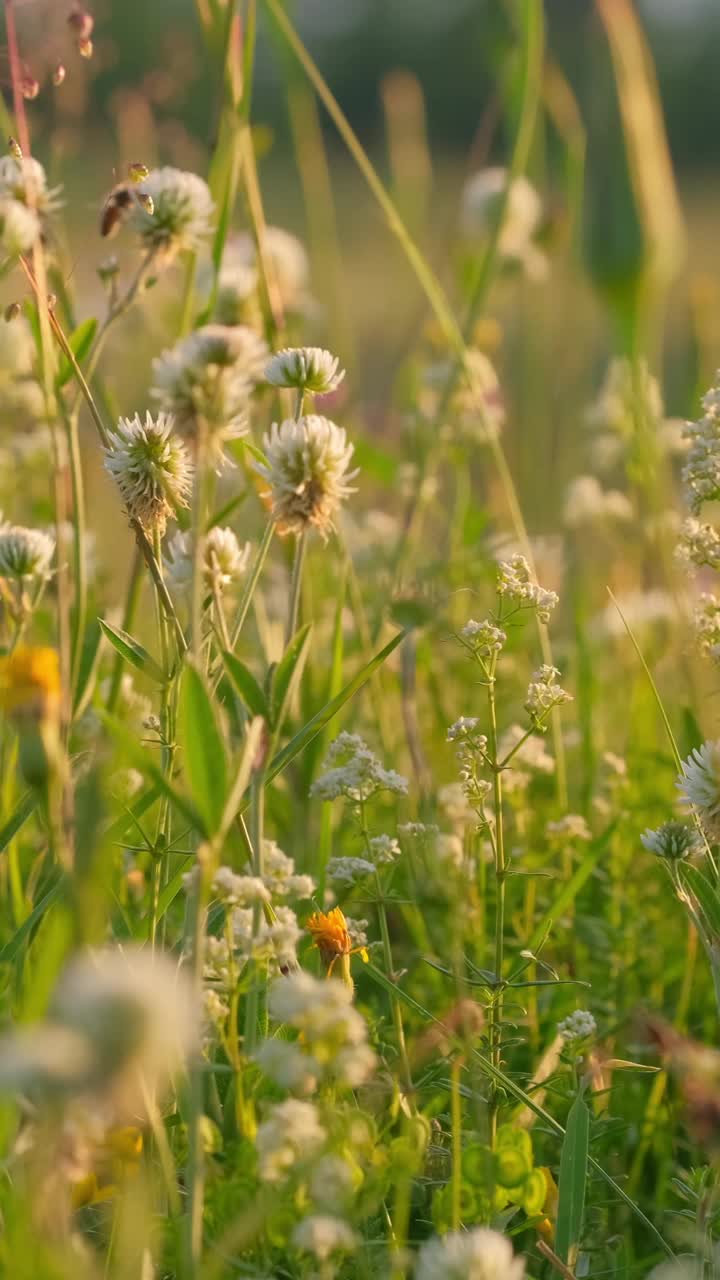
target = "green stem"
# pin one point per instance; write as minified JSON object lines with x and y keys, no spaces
{"x":257,"y":815}
{"x":496,"y":1007}
{"x":296,"y":587}
{"x":250,"y":584}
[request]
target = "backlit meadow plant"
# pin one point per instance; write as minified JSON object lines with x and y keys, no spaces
{"x":359,"y":856}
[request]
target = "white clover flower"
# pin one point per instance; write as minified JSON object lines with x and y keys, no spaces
{"x":699,"y":545}
{"x":482,"y":198}
{"x":224,"y":560}
{"x":19,"y":227}
{"x":307,"y":470}
{"x":323,"y":1236}
{"x":25,"y":553}
{"x":119,"y":1026}
{"x":673,"y":840}
{"x":290,"y":1136}
{"x":587,"y":503}
{"x":578,"y":1025}
{"x":349,"y":870}
{"x":484,"y":638}
{"x":209,"y":377}
{"x":235,"y":289}
{"x":288,"y":1066}
{"x":699,"y":785}
{"x":352,"y":771}
{"x":308,"y":368}
{"x":706,"y":618}
{"x":286,"y":261}
{"x":544,"y":693}
{"x":572,"y":827}
{"x":152,"y":469}
{"x":25,"y":181}
{"x":480,"y":1254}
{"x":384,"y":849}
{"x":515,"y":582}
{"x":182,"y":211}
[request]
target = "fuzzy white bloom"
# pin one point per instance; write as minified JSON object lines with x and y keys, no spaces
{"x":484,"y":638}
{"x":224,"y":559}
{"x":25,"y":181}
{"x":307,"y":470}
{"x":578,"y":1025}
{"x":351,"y":770}
{"x":417,"y":830}
{"x":152,"y":469}
{"x":286,"y":261}
{"x":333,"y":1181}
{"x":544,"y":693}
{"x":453,"y":802}
{"x":699,"y":785}
{"x":238,"y":891}
{"x":308,"y":368}
{"x":285,"y":1063}
{"x":640,"y":609}
{"x":384,"y":849}
{"x":209,"y":377}
{"x":482,"y":200}
{"x":706,"y":617}
{"x":532,"y":752}
{"x":699,"y":545}
{"x":274,"y":942}
{"x":119,"y":1026}
{"x":331,"y":1031}
{"x":25,"y":553}
{"x":572,"y":827}
{"x":182,"y":211}
{"x":629,"y":394}
{"x":701,"y":473}
{"x":515,"y":582}
{"x":349,"y":870}
{"x":587,"y":503}
{"x":290,"y":1136}
{"x":280,"y":876}
{"x":323,"y":1236}
{"x":672,"y":840}
{"x":448,"y":849}
{"x":19,"y":227}
{"x":480,"y":1254}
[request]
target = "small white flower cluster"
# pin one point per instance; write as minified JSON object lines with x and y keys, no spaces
{"x":152,"y":469}
{"x":349,"y":871}
{"x":482,"y":206}
{"x":587,"y":503}
{"x":673,"y":840}
{"x":483,"y":638}
{"x":530,"y":757}
{"x":544,"y":693}
{"x":323,"y":1235}
{"x":207,"y":378}
{"x":699,"y":545}
{"x":454,"y":803}
{"x":465,"y":730}
{"x":307,"y":368}
{"x":699,"y":785}
{"x":182,"y":211}
{"x":572,"y":827}
{"x":352,"y":771}
{"x":480,"y":1254}
{"x":701,"y":473}
{"x":307,"y":469}
{"x":577,"y":1026}
{"x":516,"y":584}
{"x":289,"y":1137}
{"x":224,"y":559}
{"x":332,"y":1035}
{"x":25,"y":553}
{"x":417,"y":830}
{"x":706,"y":617}
{"x":274,"y":942}
{"x":280,"y":875}
{"x":232,"y":889}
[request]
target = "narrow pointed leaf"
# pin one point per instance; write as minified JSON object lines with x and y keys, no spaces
{"x":204,"y":749}
{"x":80,"y":342}
{"x":286,"y":675}
{"x":572,"y":1181}
{"x":132,"y":651}
{"x":246,"y":686}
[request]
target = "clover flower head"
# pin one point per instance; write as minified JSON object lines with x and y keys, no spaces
{"x":285,"y":259}
{"x":182,"y":211}
{"x":307,"y":470}
{"x":19,"y":227}
{"x":24,"y":180}
{"x":673,"y":841}
{"x":224,"y":559}
{"x":25,"y":553}
{"x":152,"y":469}
{"x":308,"y":368}
{"x":579,"y":1025}
{"x":699,"y":785}
{"x":483,"y":197}
{"x":480,"y":1254}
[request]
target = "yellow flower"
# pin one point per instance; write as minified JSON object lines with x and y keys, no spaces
{"x":331,"y":936}
{"x":30,"y":683}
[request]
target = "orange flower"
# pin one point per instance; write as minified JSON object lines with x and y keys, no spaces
{"x":30,"y":683}
{"x":331,"y":937}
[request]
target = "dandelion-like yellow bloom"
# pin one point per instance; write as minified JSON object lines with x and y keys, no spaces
{"x":30,"y":683}
{"x":331,"y":936}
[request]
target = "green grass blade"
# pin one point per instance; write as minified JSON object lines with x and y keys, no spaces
{"x":204,"y":750}
{"x":572,"y":1181}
